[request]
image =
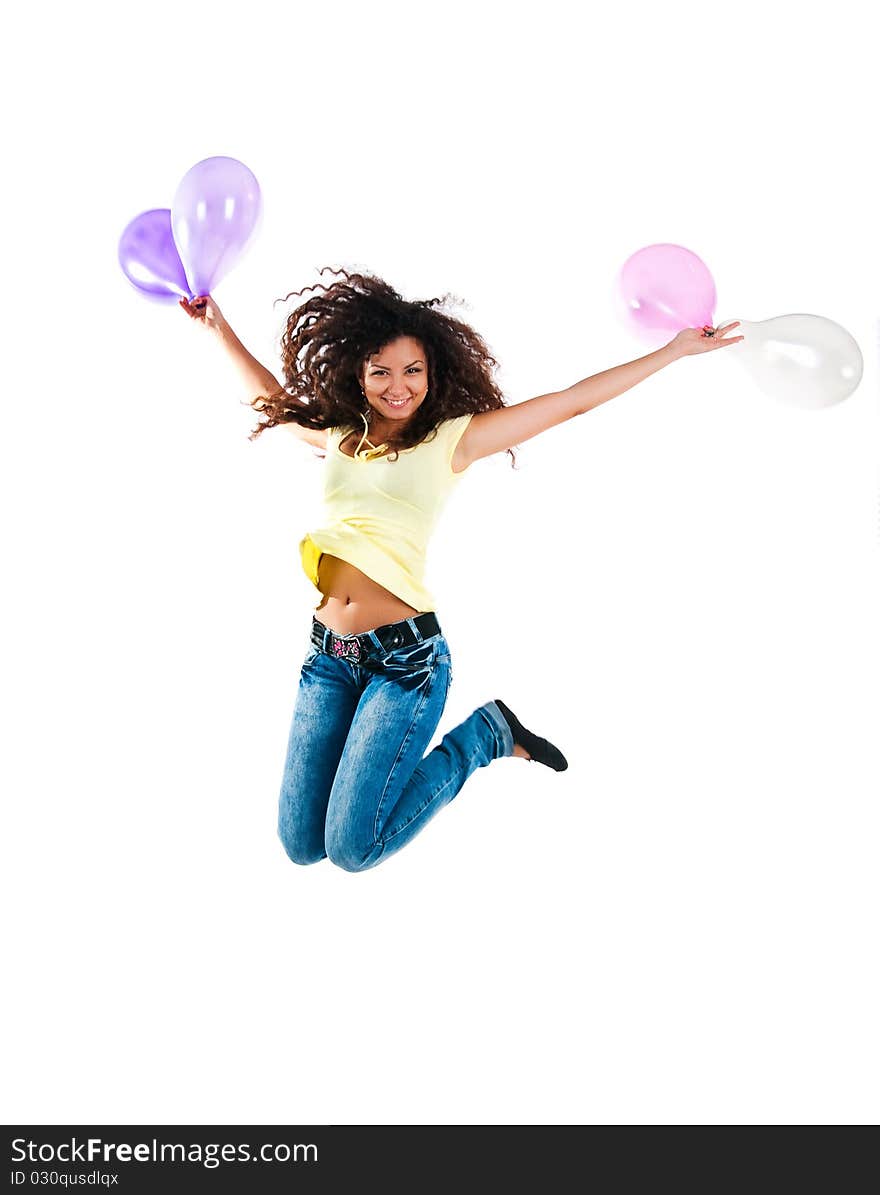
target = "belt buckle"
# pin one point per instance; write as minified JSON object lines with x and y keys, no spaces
{"x":346,"y":649}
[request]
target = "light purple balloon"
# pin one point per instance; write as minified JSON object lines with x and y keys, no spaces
{"x":214,"y":212}
{"x":149,"y":257}
{"x":666,"y":288}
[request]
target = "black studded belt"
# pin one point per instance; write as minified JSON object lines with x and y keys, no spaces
{"x":371,"y":644}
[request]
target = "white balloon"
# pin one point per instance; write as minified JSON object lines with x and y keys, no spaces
{"x":805,"y":360}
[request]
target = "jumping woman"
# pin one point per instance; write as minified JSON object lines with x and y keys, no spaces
{"x":400,"y":398}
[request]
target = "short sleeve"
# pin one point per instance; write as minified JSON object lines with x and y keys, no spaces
{"x":453,"y":430}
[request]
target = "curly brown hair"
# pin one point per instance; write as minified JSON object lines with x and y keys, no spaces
{"x":329,"y":338}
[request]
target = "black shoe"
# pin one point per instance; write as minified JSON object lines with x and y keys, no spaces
{"x":539,"y":749}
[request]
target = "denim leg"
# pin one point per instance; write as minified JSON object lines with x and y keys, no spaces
{"x":386,"y":789}
{"x":326,"y":700}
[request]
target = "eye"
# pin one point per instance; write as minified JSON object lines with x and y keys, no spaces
{"x":414,"y":369}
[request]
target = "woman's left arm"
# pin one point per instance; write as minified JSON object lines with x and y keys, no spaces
{"x":496,"y":431}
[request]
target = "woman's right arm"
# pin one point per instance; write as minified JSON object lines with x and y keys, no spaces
{"x":255,"y":376}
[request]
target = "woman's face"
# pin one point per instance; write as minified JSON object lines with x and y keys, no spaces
{"x":395,"y":379}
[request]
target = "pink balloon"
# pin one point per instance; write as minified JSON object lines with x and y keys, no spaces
{"x":666,"y":288}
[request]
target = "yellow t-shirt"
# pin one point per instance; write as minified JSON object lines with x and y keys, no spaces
{"x":380,"y":511}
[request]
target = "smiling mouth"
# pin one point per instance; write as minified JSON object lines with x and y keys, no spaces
{"x":397,"y":403}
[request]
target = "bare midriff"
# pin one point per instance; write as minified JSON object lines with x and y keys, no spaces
{"x":352,"y":602}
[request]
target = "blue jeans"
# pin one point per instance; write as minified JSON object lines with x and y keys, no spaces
{"x":357,"y":783}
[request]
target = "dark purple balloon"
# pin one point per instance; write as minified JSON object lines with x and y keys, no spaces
{"x":214,"y":213}
{"x":149,"y":257}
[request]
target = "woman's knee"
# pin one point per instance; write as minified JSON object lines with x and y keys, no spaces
{"x":298,"y":848}
{"x":351,"y":855}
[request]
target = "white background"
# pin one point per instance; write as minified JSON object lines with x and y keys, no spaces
{"x":679,"y":588}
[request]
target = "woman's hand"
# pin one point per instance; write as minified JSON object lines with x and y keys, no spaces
{"x":206,"y":311}
{"x":703,"y":340}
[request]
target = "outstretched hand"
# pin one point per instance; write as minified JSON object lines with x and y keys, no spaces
{"x":205,"y":311}
{"x":704,"y":340}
